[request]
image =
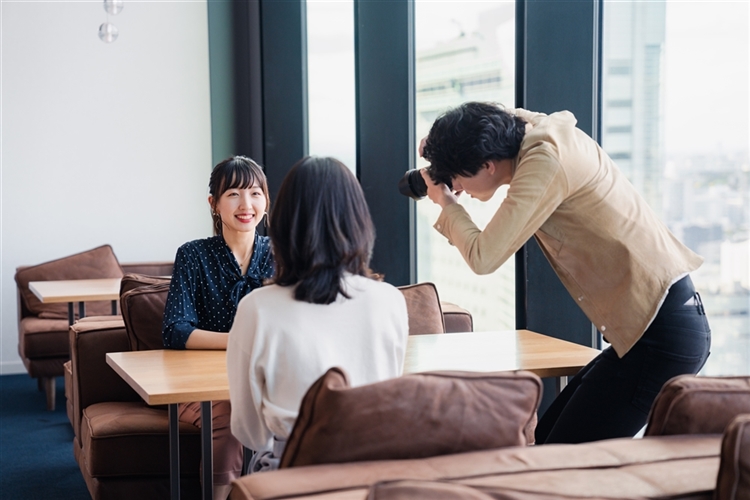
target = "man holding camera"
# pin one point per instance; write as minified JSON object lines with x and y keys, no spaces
{"x":619,"y":262}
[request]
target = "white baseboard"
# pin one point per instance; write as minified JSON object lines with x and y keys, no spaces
{"x":12,"y":367}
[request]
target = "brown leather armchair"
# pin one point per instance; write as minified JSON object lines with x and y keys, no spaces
{"x":428,"y":314}
{"x":121,"y":444}
{"x":43,"y":328}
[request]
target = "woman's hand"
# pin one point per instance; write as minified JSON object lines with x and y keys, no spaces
{"x":206,"y":339}
{"x":438,"y":193}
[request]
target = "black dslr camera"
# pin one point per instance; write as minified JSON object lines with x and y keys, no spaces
{"x":413,"y":185}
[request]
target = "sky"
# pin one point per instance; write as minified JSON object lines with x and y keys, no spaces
{"x":706,"y":76}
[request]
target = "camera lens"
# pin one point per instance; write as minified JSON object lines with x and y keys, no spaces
{"x":412,"y":185}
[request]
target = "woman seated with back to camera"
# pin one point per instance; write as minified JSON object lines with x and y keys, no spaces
{"x":325,"y":308}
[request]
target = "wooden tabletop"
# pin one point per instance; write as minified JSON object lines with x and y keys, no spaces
{"x":496,"y":351}
{"x":172,"y":376}
{"x":50,"y":292}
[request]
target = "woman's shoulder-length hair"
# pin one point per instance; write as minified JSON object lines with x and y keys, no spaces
{"x":320,"y":229}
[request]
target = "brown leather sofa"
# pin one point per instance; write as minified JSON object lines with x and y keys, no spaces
{"x":121,"y":444}
{"x":697,"y":446}
{"x":43,"y":328}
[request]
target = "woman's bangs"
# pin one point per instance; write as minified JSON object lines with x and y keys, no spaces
{"x":240,"y":177}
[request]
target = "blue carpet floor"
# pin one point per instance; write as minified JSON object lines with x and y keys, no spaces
{"x":36,"y":445}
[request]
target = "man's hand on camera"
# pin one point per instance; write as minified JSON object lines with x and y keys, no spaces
{"x":439,"y":193}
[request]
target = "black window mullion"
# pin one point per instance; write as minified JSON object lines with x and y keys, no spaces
{"x":384,"y":65}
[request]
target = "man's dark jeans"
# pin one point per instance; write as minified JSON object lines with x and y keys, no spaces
{"x":611,"y":396}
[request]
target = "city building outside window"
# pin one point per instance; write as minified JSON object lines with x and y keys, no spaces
{"x":330,"y":80}
{"x":675,"y":119}
{"x":465,"y":51}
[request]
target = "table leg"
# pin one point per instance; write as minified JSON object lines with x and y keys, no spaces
{"x":81,"y":310}
{"x":114,"y":308}
{"x":174,"y":453}
{"x":560,"y":384}
{"x":207,"y":447}
{"x":71,"y":314}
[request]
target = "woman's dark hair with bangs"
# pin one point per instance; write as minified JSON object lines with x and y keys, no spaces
{"x":320,"y":229}
{"x":237,"y":172}
{"x":463,"y":138}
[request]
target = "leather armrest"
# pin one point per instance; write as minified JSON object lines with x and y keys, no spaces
{"x":457,"y":319}
{"x":93,"y":380}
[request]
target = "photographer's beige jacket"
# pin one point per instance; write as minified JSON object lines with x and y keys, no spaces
{"x":609,"y":249}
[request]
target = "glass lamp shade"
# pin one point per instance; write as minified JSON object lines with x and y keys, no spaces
{"x":113,"y":6}
{"x":108,"y":32}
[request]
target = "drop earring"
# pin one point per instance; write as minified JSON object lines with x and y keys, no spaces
{"x":217,"y":221}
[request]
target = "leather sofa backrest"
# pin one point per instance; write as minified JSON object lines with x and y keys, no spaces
{"x":99,"y":262}
{"x":142,"y":300}
{"x":688,"y":404}
{"x":155,"y":268}
{"x":424,"y":309}
{"x":413,"y":416}
{"x":661,"y":467}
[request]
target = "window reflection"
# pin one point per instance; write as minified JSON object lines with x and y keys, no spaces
{"x":330,"y":80}
{"x":675,"y":119}
{"x":464,"y":52}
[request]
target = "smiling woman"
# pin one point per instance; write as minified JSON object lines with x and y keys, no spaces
{"x":210,"y":277}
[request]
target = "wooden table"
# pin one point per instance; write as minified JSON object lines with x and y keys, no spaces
{"x":70,"y":291}
{"x":171,"y":377}
{"x":497,"y":351}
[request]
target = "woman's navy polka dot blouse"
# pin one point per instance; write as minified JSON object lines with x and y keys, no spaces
{"x":207,"y":285}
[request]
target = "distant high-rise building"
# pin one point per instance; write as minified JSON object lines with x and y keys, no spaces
{"x":476,"y":65}
{"x":632,"y":121}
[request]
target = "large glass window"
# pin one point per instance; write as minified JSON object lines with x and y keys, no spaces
{"x":675,"y":119}
{"x":330,"y":80}
{"x":465,"y":51}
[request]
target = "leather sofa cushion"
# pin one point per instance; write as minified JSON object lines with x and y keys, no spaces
{"x":43,"y":338}
{"x":648,"y":467}
{"x":733,"y":482}
{"x":423,"y":307}
{"x":698,"y":405}
{"x":414,"y":416}
{"x":435,"y":490}
{"x":96,"y":263}
{"x":131,"y":438}
{"x":142,"y":300}
{"x":409,"y":490}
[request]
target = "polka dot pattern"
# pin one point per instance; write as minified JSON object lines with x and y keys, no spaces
{"x":207,"y":284}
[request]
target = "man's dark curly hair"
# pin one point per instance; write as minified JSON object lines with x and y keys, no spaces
{"x":463,"y":138}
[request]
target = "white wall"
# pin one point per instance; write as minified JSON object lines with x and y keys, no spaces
{"x":101,"y":143}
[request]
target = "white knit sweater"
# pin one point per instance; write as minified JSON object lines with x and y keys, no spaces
{"x":279,"y":346}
